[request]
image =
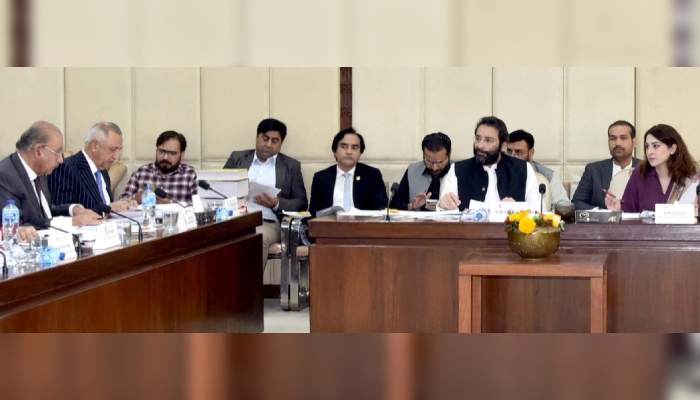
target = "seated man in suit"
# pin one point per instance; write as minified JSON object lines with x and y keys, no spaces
{"x":422,"y":179}
{"x":23,"y":179}
{"x":267,"y":166}
{"x":349,"y":183}
{"x":491,"y":176}
{"x":521,"y":144}
{"x":597,"y":176}
{"x":167,"y":172}
{"x":83,"y":177}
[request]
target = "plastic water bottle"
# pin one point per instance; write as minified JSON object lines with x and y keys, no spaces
{"x":149,"y":207}
{"x":10,"y":220}
{"x":221,"y":214}
{"x":45,"y":253}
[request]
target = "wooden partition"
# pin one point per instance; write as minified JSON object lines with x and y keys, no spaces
{"x":371,"y":276}
{"x":205,"y":280}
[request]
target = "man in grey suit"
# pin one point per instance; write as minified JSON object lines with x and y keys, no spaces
{"x":597,"y":176}
{"x":267,"y":166}
{"x":23,"y":179}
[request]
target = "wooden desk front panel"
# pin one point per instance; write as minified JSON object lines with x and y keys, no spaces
{"x":400,"y":278}
{"x":170,"y":284}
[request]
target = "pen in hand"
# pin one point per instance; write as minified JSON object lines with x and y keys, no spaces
{"x":607,"y":192}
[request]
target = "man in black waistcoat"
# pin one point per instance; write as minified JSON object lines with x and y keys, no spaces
{"x":491,"y":176}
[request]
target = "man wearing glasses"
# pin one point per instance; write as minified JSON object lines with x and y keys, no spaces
{"x":23,"y":179}
{"x":490,"y":176}
{"x":83,"y":177}
{"x":167,"y":172}
{"x":421,"y":181}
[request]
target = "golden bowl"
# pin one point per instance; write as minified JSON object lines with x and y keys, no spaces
{"x":539,"y":244}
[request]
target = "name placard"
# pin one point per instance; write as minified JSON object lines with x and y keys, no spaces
{"x":64,"y":243}
{"x":499,"y":211}
{"x":674,"y":214}
{"x":197,"y":203}
{"x":232,"y":204}
{"x":106,"y":236}
{"x":186,"y":219}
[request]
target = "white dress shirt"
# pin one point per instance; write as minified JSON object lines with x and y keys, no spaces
{"x":532,"y":193}
{"x":93,"y":169}
{"x":617,"y":168}
{"x":42,"y":199}
{"x":339,"y":189}
{"x":263,"y":173}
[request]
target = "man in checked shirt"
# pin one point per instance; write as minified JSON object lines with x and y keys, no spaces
{"x":167,"y":172}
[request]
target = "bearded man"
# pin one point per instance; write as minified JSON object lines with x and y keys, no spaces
{"x":167,"y":172}
{"x":491,"y":176}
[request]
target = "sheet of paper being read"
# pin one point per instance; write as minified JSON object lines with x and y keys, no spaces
{"x":255,"y":189}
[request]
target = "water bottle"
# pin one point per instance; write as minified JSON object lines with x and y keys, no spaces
{"x":45,"y":253}
{"x":10,"y":221}
{"x":221,"y":214}
{"x":149,"y":207}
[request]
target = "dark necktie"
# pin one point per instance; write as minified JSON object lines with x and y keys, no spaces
{"x":434,"y":188}
{"x":38,"y":193}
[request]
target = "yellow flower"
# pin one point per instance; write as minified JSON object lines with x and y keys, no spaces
{"x":514,"y":217}
{"x":527,"y":225}
{"x":549,"y":217}
{"x":556,"y":220}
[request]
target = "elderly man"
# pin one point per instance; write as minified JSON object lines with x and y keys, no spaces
{"x":422,"y":179}
{"x":23,"y":179}
{"x":83,"y":177}
{"x":521,"y":144}
{"x":597,"y":176}
{"x":490,"y":176}
{"x":168,"y":172}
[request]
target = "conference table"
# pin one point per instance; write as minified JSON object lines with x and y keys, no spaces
{"x":368,"y":275}
{"x":207,"y":279}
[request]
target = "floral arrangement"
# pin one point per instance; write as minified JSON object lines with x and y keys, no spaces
{"x":527,"y":221}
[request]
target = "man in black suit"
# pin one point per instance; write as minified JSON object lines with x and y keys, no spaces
{"x":83,"y":177}
{"x":267,"y":166}
{"x":23,"y":179}
{"x":349,"y":183}
{"x":597,"y":176}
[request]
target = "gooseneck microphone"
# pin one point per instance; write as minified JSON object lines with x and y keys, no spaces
{"x":206,"y":186}
{"x":394,"y":188}
{"x":46,"y":224}
{"x":104,"y":208}
{"x":543,"y":189}
{"x":162,"y":193}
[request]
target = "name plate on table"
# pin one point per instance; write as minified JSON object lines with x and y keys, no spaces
{"x":675,"y":214}
{"x":498,"y":212}
{"x":64,"y":243}
{"x":106,"y":236}
{"x":232,"y":204}
{"x":186,"y":219}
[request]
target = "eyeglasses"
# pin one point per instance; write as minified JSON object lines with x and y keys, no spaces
{"x":163,"y":153}
{"x":57,"y":154}
{"x":434,"y":162}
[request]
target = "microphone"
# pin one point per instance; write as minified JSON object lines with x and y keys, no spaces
{"x":162,"y":193}
{"x":46,"y":224}
{"x":104,"y":208}
{"x":394,"y":188}
{"x":206,"y":186}
{"x":543,"y":188}
{"x":5,"y":271}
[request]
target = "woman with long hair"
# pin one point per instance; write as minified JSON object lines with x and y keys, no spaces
{"x":668,"y":174}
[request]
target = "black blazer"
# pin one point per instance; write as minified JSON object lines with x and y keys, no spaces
{"x":595,"y":178}
{"x":288,"y":179}
{"x":368,"y":189}
{"x":73,"y":183}
{"x":15,"y":185}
